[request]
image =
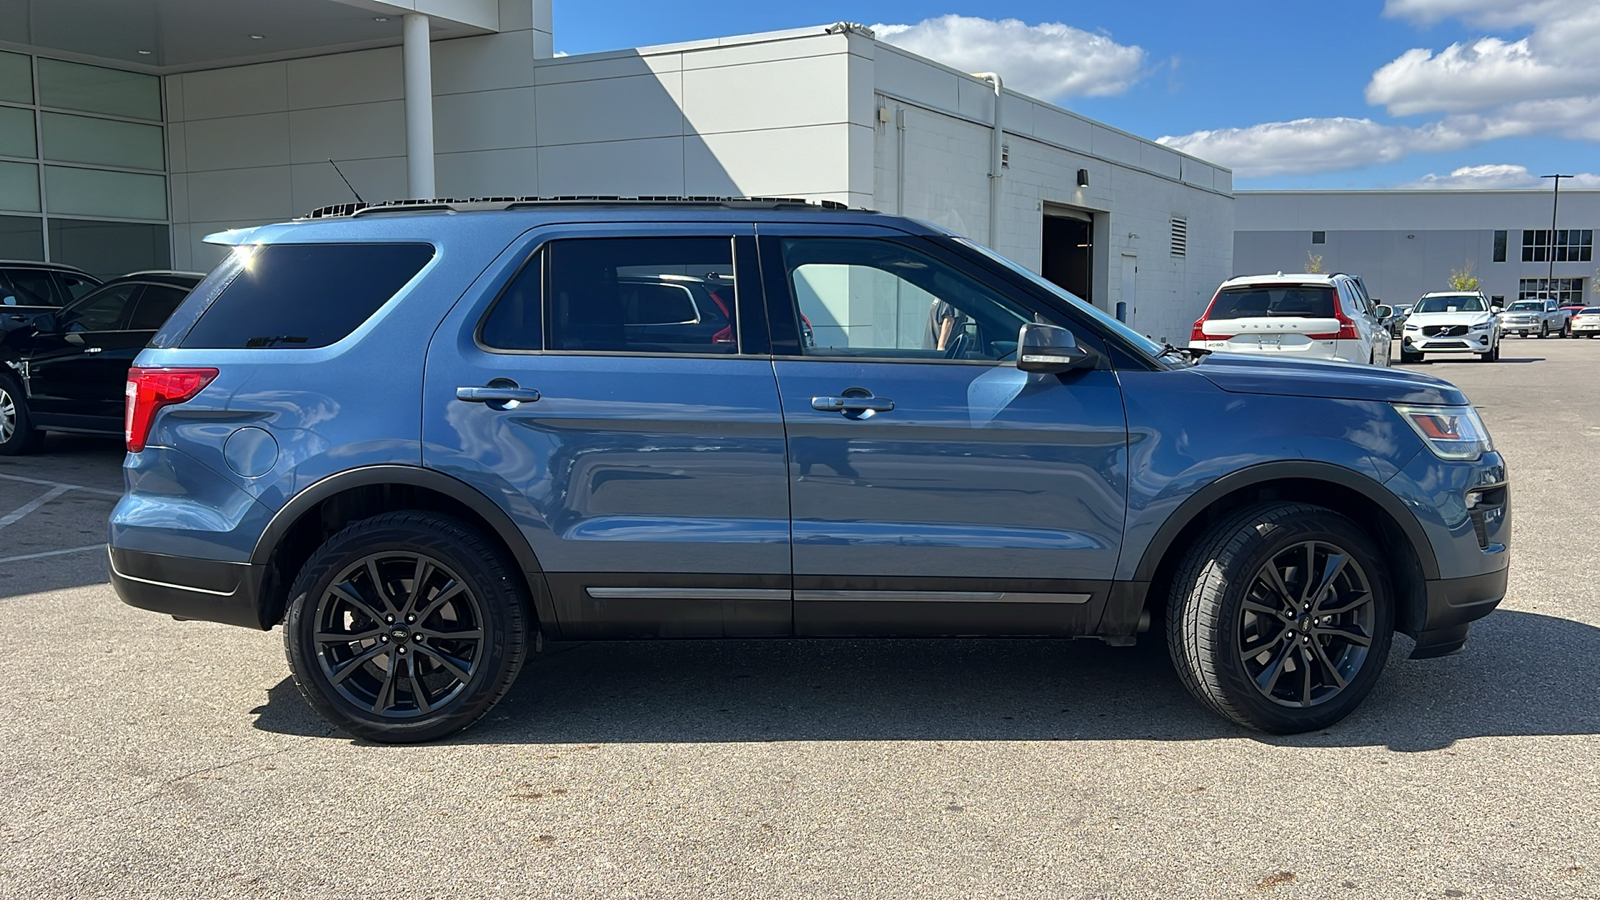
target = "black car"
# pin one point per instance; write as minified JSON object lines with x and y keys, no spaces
{"x":67,"y":369}
{"x":31,"y":289}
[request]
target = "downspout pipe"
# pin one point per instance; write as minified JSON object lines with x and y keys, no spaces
{"x":417,"y":64}
{"x":996,"y":170}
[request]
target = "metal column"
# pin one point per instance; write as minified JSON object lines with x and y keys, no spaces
{"x":419,"y":108}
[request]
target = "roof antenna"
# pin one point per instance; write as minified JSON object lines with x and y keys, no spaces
{"x":345,"y":180}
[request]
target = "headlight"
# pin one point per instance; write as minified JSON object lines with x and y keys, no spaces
{"x":1482,"y":326}
{"x":1413,"y":327}
{"x":1452,"y":432}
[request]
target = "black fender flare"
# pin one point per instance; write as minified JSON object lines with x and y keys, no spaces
{"x":415,"y":476}
{"x":1305,"y":470}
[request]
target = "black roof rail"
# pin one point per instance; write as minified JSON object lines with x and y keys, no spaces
{"x":473,"y":204}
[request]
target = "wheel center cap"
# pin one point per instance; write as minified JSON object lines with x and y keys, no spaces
{"x":399,"y":633}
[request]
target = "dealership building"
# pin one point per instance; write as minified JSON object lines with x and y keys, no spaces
{"x":1406,"y":243}
{"x":130,"y":129}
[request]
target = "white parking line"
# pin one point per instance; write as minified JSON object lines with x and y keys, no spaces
{"x":26,"y":508}
{"x":27,"y":556}
{"x":60,"y":484}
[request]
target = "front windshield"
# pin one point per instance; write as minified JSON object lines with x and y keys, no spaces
{"x":1462,"y":303}
{"x":1133,"y":337}
{"x":1526,"y":305}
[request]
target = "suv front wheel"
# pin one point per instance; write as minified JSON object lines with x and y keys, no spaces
{"x":1280,"y":617}
{"x":405,"y":627}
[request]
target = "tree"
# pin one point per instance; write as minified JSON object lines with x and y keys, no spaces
{"x":1462,"y":279}
{"x":1313,"y":263}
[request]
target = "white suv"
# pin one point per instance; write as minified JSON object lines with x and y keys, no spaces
{"x":1302,"y":316}
{"x":1451,"y":322}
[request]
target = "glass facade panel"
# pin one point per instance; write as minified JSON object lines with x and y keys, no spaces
{"x":19,"y":187}
{"x":66,"y":85}
{"x":108,"y":249}
{"x":16,"y":132}
{"x":105,"y":142}
{"x":21,"y":237}
{"x":95,"y":192}
{"x":16,"y":78}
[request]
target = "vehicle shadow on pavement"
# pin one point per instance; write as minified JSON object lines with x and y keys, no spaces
{"x":999,"y":690}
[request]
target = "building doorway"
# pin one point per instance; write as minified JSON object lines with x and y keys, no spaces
{"x":1068,"y":258}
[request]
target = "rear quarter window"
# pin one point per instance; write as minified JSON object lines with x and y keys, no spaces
{"x":299,"y":295}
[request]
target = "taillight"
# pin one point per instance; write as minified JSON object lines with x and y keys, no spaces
{"x":149,"y":390}
{"x":1197,"y":333}
{"x":1347,"y":327}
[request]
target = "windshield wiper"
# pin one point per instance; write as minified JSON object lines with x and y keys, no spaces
{"x":1191,"y":352}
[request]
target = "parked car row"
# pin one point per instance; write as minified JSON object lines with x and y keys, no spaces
{"x":1304,"y":316}
{"x":66,"y":350}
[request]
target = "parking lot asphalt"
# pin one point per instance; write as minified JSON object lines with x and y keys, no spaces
{"x":146,"y":757}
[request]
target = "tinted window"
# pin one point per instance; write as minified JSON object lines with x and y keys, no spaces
{"x":516,"y":322}
{"x":103,"y":310}
{"x":644,"y":295}
{"x":155,"y":305}
{"x":75,"y":285}
{"x":31,"y":287}
{"x":305,"y":295}
{"x":1303,"y":301}
{"x":871,"y":298}
{"x":1453,"y":303}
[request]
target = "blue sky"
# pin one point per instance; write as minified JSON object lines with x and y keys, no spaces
{"x":1349,"y":93}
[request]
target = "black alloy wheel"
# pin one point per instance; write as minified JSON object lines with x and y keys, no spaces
{"x":1281,"y":617}
{"x":1306,"y":624}
{"x":398,"y":633}
{"x":405,"y":627}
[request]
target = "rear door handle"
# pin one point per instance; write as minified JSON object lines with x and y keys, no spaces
{"x":92,"y":349}
{"x":497,"y":394}
{"x":852,"y":404}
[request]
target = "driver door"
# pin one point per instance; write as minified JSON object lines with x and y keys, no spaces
{"x":76,"y":373}
{"x":935,"y":489}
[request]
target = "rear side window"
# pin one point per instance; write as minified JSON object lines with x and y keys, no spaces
{"x":1303,"y":301}
{"x":641,"y":295}
{"x":155,"y":305}
{"x":305,"y":295}
{"x":517,"y":320}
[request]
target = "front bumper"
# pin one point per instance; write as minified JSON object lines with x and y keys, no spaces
{"x":1472,"y":342}
{"x":186,"y":588}
{"x":1452,"y":605}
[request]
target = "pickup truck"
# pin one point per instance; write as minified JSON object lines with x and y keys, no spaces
{"x":1536,"y":316}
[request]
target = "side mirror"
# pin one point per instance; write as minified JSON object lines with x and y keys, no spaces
{"x":1385,"y":313}
{"x":1047,"y":348}
{"x":1497,"y":309}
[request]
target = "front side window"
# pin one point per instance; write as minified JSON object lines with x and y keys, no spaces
{"x":517,"y":320}
{"x":155,"y":305}
{"x":860,"y":297}
{"x":641,"y":295}
{"x":31,"y":287}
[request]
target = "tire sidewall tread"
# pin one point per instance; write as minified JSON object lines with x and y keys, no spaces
{"x":1202,"y":612}
{"x":491,"y":576}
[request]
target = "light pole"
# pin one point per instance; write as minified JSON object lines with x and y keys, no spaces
{"x":1555,"y":203}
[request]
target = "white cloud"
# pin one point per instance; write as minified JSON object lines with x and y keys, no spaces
{"x":1556,"y":60}
{"x":1496,"y":177}
{"x":1049,"y":60}
{"x":1317,"y":145}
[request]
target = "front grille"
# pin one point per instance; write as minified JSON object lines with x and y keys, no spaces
{"x":1448,"y":345}
{"x":1444,"y":330}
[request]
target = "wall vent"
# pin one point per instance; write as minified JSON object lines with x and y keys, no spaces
{"x":1180,"y":236}
{"x":1005,"y":156}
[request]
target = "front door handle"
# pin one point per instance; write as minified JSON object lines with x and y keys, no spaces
{"x":494,"y":394}
{"x":92,"y":349}
{"x":852,"y":404}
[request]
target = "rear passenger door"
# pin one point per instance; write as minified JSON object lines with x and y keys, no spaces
{"x":76,"y":374}
{"x":641,"y":453}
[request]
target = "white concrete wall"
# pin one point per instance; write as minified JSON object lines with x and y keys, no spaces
{"x":1137,"y":185}
{"x":250,"y":144}
{"x":1406,"y":243}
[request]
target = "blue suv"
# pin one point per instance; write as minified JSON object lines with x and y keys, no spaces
{"x":426,"y":436}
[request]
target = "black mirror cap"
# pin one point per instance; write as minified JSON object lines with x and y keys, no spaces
{"x":1048,"y":348}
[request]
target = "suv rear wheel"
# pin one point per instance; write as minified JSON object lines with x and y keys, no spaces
{"x":405,"y":627}
{"x":1281,"y":617}
{"x":17,"y":434}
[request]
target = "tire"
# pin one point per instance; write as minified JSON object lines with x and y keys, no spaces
{"x":1224,"y":602}
{"x":18,"y":436}
{"x":386,"y":678}
{"x":1544,"y":330}
{"x":1492,"y":356}
{"x":1409,"y":357}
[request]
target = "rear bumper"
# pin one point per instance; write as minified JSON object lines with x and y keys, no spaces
{"x":1452,"y":605}
{"x":188,"y":588}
